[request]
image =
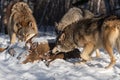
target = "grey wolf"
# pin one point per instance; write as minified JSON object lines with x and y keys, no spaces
{"x":73,"y":15}
{"x":91,"y":34}
{"x":21,"y":24}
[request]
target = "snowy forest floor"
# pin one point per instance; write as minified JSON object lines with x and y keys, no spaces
{"x":59,"y":69}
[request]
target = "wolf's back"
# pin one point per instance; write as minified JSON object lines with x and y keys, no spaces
{"x":73,"y":15}
{"x":21,"y":7}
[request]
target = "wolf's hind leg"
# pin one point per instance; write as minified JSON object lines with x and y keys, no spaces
{"x":112,"y":58}
{"x":110,"y":36}
{"x":118,"y":44}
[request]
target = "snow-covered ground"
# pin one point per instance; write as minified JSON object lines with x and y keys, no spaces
{"x":12,"y":69}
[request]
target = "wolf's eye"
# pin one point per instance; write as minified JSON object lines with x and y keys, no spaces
{"x":58,"y":42}
{"x":27,"y":35}
{"x":18,"y":25}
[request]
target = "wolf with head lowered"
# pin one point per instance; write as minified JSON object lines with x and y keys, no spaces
{"x":21,"y":24}
{"x":91,"y":34}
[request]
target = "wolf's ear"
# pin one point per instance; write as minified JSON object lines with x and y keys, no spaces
{"x":62,"y":36}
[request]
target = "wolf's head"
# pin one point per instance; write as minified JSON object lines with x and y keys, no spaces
{"x":25,"y":31}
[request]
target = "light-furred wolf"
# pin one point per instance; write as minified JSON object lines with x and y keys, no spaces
{"x":21,"y":24}
{"x":74,"y":14}
{"x":91,"y":35}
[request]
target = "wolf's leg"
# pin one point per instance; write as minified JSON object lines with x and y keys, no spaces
{"x":112,"y":58}
{"x":110,"y":36}
{"x":12,"y":38}
{"x":97,"y":53}
{"x":118,"y":44}
{"x":109,"y":39}
{"x":88,"y":49}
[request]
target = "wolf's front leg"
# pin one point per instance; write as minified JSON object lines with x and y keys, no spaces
{"x":88,"y":49}
{"x":97,"y":53}
{"x":85,"y":55}
{"x":12,"y":38}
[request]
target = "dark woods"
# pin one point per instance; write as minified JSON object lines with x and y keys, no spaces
{"x":46,"y":12}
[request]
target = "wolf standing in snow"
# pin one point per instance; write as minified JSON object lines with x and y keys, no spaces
{"x":21,"y":23}
{"x":91,"y":35}
{"x":73,"y":15}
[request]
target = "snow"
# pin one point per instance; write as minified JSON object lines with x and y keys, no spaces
{"x":12,"y":69}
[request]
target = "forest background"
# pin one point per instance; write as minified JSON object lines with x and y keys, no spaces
{"x":47,"y":12}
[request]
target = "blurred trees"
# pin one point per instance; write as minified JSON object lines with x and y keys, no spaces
{"x":46,"y":12}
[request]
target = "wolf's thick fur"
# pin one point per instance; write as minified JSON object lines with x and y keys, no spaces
{"x":21,"y":23}
{"x":73,"y":15}
{"x":91,"y":35}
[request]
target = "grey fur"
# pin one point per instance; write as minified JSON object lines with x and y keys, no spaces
{"x":73,"y":15}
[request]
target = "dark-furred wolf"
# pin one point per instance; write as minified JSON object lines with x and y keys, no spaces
{"x":91,"y":34}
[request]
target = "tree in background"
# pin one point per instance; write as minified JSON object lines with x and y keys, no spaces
{"x":46,"y":12}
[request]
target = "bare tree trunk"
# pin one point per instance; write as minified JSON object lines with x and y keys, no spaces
{"x":1,"y":15}
{"x":98,"y":6}
{"x":107,"y":5}
{"x":46,"y":12}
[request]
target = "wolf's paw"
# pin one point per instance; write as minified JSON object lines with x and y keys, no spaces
{"x":109,"y":66}
{"x":85,"y":57}
{"x":79,"y":63}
